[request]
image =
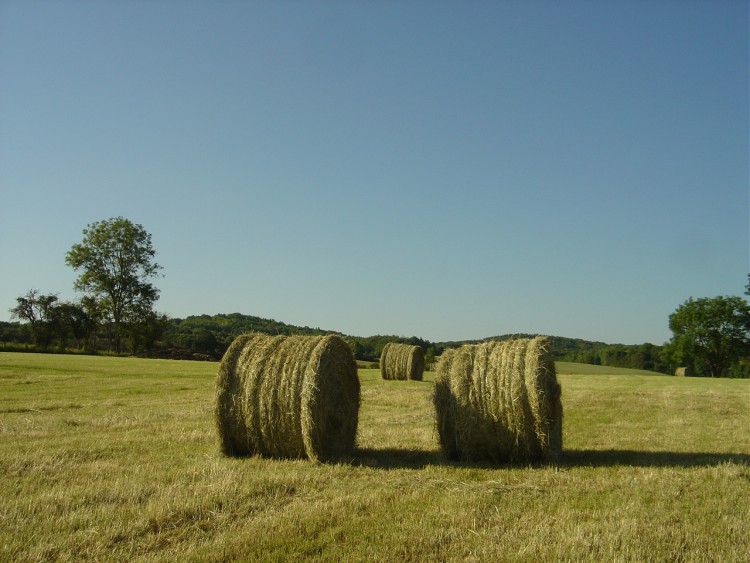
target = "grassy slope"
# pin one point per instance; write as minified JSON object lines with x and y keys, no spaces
{"x":116,"y":459}
{"x":570,"y":368}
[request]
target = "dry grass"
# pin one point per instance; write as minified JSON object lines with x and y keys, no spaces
{"x":115,"y":459}
{"x":287,"y":396}
{"x":499,"y":401}
{"x":401,"y":361}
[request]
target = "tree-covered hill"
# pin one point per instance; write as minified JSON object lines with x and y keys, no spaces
{"x":208,"y":336}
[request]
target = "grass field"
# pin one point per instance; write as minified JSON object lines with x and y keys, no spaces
{"x":117,"y":459}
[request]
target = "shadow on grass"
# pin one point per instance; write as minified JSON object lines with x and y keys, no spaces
{"x":396,"y":458}
{"x":637,"y":458}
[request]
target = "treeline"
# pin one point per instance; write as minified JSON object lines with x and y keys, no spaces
{"x":206,"y":337}
{"x":116,"y":315}
{"x":211,"y":335}
{"x":637,"y":356}
{"x":634,"y":356}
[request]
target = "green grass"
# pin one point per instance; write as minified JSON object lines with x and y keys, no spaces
{"x":117,"y":459}
{"x":570,"y":368}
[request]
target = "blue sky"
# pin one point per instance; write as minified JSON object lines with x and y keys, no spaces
{"x":450,"y":170}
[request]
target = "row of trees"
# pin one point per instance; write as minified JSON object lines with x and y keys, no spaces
{"x":115,"y":261}
{"x":207,"y":337}
{"x":84,"y":325}
{"x":116,"y":264}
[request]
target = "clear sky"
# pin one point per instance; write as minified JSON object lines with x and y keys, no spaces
{"x":449,"y":170}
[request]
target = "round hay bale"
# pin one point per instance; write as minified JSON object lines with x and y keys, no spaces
{"x":401,"y":361}
{"x":500,"y":402}
{"x":287,"y":396}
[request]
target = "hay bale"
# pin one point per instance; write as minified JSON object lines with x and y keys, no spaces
{"x":499,"y":401}
{"x":287,"y":396}
{"x":682,"y":372}
{"x":401,"y":361}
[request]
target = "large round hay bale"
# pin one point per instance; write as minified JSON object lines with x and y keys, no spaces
{"x":499,"y":401}
{"x":401,"y":361}
{"x":287,"y":396}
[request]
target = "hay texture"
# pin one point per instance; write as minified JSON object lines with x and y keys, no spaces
{"x":499,"y":402}
{"x":401,"y":361}
{"x":288,"y":397}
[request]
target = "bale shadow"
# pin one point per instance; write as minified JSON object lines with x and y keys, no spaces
{"x":402,"y":458}
{"x":638,"y":458}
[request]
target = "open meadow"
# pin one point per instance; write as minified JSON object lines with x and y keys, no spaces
{"x":117,"y":459}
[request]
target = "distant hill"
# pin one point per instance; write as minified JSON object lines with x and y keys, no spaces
{"x":211,"y":334}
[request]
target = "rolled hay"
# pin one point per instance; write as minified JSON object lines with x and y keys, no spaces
{"x":288,"y":397}
{"x":682,"y":372}
{"x":499,"y":402}
{"x":401,"y":361}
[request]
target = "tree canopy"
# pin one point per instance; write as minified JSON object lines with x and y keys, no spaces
{"x":710,"y":334}
{"x":116,"y":260}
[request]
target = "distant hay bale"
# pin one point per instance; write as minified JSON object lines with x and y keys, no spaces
{"x":499,"y":401}
{"x":287,"y":396}
{"x":682,"y":372}
{"x":401,"y":361}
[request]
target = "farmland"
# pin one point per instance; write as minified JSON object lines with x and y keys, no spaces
{"x":117,"y":459}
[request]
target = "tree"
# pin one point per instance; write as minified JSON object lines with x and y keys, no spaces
{"x":710,"y":333}
{"x":39,"y":310}
{"x":116,"y":259}
{"x":74,"y":321}
{"x":94,"y":315}
{"x":145,"y":333}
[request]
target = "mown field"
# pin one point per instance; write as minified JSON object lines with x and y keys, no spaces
{"x":117,"y":460}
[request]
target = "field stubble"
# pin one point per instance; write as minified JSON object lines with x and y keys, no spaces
{"x":118,"y":459}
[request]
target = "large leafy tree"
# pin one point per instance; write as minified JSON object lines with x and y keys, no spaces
{"x":116,"y":260}
{"x":710,"y":333}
